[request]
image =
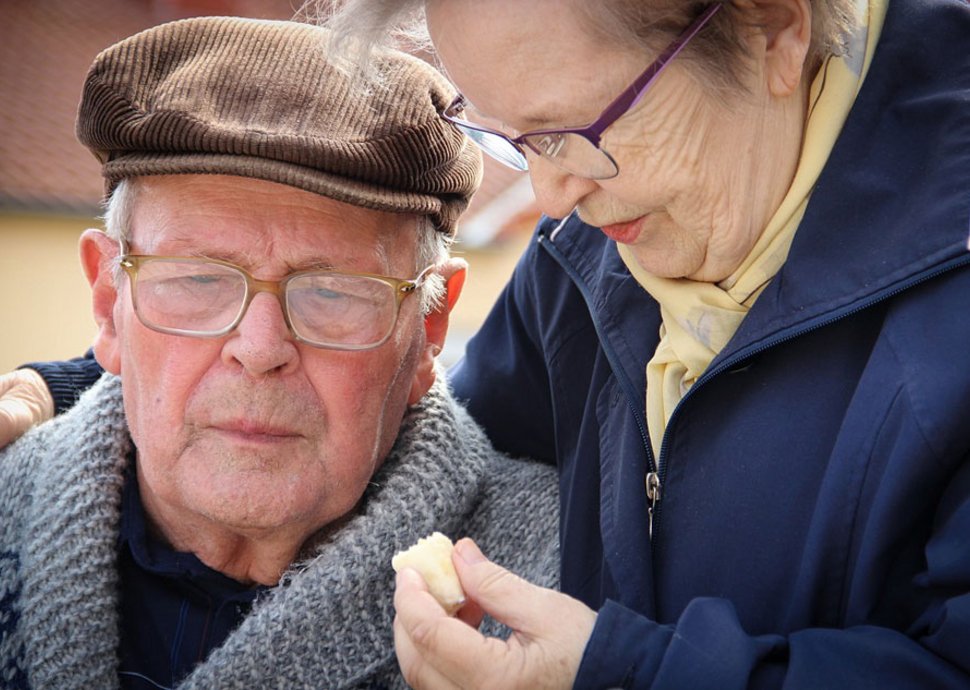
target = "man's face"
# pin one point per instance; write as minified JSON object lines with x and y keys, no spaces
{"x":255,"y":432}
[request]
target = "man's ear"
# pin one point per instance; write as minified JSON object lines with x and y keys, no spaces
{"x":453,"y":271}
{"x":98,"y":252}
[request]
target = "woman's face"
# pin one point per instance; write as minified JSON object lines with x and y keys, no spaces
{"x":698,"y":177}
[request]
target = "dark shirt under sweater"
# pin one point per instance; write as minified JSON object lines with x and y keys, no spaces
{"x":174,"y":609}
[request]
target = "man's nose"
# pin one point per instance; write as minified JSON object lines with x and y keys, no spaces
{"x":557,"y":192}
{"x":262,"y":342}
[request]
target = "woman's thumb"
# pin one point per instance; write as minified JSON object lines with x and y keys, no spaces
{"x":503,"y":595}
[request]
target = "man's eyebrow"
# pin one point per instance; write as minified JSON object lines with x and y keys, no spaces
{"x":251,"y":264}
{"x":313,"y":265}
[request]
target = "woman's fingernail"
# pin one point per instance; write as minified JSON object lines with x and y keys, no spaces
{"x":409,"y":577}
{"x":469,"y":552}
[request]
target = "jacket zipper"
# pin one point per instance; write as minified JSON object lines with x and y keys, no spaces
{"x":653,"y":497}
{"x":656,"y":474}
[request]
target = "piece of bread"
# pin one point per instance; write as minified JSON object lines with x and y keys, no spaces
{"x":431,"y":557}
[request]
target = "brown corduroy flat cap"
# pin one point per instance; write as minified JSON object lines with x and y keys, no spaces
{"x":260,"y":99}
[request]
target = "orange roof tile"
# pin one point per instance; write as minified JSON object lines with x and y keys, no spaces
{"x":46,"y":47}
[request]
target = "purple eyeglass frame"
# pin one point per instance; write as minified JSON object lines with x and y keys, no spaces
{"x":622,"y":104}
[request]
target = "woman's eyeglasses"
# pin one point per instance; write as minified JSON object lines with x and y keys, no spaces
{"x":576,"y":149}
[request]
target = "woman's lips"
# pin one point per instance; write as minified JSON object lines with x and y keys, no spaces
{"x":625,"y":233}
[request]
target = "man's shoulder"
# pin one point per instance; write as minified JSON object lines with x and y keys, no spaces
{"x":54,"y":451}
{"x":446,"y":471}
{"x":508,"y":478}
{"x":98,"y":411}
{"x":511,"y":504}
{"x":516,"y":520}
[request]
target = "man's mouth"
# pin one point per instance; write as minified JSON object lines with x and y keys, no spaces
{"x":255,"y":432}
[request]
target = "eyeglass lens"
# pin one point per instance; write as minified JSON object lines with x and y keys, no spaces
{"x":340,"y":310}
{"x":497,"y":147}
{"x":207,"y":299}
{"x":571,"y":152}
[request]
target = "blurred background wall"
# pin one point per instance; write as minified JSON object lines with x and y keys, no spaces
{"x":50,"y":186}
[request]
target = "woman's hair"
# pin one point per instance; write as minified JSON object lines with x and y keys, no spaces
{"x":433,"y":246}
{"x":718,"y":51}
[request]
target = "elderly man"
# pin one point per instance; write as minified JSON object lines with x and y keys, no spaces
{"x":221,"y":508}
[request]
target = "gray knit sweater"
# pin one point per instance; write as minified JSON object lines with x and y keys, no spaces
{"x":328,"y":625}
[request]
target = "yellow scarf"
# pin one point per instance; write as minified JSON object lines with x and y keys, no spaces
{"x":699,"y":318}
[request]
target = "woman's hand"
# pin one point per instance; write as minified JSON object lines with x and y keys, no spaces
{"x":25,"y":401}
{"x":550,"y":630}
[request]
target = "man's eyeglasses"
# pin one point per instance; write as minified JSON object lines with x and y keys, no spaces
{"x":207,"y":298}
{"x":577,"y":149}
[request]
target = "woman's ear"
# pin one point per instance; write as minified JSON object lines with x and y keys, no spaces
{"x":453,"y":271}
{"x":98,"y":253}
{"x":787,"y":25}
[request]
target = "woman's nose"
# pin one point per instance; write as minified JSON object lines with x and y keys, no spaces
{"x":557,"y":192}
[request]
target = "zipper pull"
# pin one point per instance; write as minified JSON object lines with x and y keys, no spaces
{"x":653,"y":495}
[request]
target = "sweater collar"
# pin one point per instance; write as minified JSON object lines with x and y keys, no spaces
{"x":329,"y":624}
{"x":70,"y":582}
{"x":331,"y":617}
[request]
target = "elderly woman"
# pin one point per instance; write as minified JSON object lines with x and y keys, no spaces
{"x":740,"y":335}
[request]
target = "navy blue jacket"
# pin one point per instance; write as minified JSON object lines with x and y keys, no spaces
{"x":813,"y":527}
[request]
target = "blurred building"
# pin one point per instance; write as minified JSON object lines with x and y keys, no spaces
{"x":50,"y":186}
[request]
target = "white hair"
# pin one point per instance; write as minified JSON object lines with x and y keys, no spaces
{"x":433,"y":249}
{"x":432,"y":246}
{"x":359,"y":26}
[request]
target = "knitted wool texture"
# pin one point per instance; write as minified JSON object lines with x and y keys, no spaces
{"x":225,"y":95}
{"x":328,"y":624}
